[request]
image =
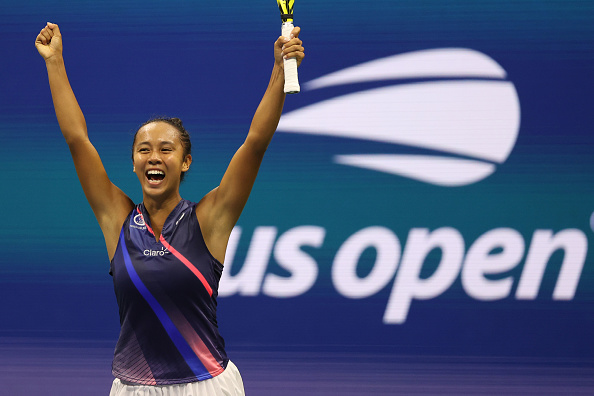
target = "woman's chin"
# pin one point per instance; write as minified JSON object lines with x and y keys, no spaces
{"x":159,"y":190}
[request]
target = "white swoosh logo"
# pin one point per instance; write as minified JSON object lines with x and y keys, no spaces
{"x":475,"y":118}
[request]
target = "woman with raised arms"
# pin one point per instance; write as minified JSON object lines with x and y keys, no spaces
{"x":167,"y":253}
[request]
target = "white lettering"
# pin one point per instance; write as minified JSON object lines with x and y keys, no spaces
{"x":303,"y":267}
{"x":344,"y":268}
{"x":409,"y":285}
{"x":249,"y":279}
{"x":480,"y":261}
{"x":574,"y":244}
{"x":154,"y":253}
{"x":493,"y":253}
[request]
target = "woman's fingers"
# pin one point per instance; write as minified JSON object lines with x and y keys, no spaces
{"x":41,"y":38}
{"x":293,"y":49}
{"x":46,"y":35}
{"x":54,"y":29}
{"x":295,"y":32}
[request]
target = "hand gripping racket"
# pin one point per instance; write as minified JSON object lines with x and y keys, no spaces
{"x":290,"y":65}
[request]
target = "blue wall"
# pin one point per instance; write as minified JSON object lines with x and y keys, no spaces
{"x":208,"y":63}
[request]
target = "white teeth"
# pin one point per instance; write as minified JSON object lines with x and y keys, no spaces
{"x":156,"y":172}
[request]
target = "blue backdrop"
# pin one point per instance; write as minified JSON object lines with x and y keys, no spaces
{"x":428,"y":197}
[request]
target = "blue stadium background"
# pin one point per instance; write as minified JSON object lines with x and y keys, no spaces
{"x":208,"y":63}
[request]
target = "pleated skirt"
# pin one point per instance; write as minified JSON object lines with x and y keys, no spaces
{"x":228,"y":383}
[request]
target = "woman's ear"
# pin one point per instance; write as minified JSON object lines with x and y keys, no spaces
{"x":187,"y":162}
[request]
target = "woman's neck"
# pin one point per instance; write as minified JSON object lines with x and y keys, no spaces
{"x":158,"y":210}
{"x":155,"y":205}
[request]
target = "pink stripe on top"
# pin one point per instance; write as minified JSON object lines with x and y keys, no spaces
{"x":181,"y":258}
{"x":196,"y":343}
{"x":187,"y":263}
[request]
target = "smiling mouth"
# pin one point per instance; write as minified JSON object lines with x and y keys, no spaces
{"x":155,"y":176}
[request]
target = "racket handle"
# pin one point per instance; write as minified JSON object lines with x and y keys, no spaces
{"x":290,"y":65}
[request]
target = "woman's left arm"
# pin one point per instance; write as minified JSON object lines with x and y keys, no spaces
{"x":220,"y":209}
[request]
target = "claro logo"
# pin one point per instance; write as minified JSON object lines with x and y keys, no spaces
{"x":154,"y":253}
{"x":454,"y":103}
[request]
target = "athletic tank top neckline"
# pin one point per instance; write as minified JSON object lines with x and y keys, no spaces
{"x":172,"y":219}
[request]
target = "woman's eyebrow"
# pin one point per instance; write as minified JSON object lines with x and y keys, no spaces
{"x":160,"y":143}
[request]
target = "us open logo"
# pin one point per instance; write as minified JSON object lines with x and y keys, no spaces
{"x":454,"y":103}
{"x":456,"y":109}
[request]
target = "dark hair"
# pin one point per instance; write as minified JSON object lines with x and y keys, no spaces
{"x":184,"y":136}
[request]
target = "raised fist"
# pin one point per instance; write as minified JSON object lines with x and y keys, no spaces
{"x":49,"y":41}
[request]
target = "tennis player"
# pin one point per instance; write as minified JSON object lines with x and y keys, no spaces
{"x":167,"y":253}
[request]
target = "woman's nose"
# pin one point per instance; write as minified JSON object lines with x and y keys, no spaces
{"x":154,"y":158}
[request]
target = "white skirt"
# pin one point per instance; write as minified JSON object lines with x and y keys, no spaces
{"x":228,"y":383}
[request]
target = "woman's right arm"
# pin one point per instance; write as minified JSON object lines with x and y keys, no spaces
{"x":109,"y":203}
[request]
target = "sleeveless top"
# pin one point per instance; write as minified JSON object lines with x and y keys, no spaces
{"x":166,"y":293}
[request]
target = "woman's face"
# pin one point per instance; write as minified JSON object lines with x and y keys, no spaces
{"x":159,"y":158}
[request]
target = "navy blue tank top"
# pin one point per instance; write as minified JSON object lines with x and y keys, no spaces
{"x":166,"y":292}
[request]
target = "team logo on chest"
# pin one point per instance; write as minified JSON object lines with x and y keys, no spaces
{"x":155,"y":253}
{"x":139,"y":223}
{"x":139,"y":220}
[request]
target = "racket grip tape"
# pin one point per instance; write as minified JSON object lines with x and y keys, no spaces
{"x":290,"y":65}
